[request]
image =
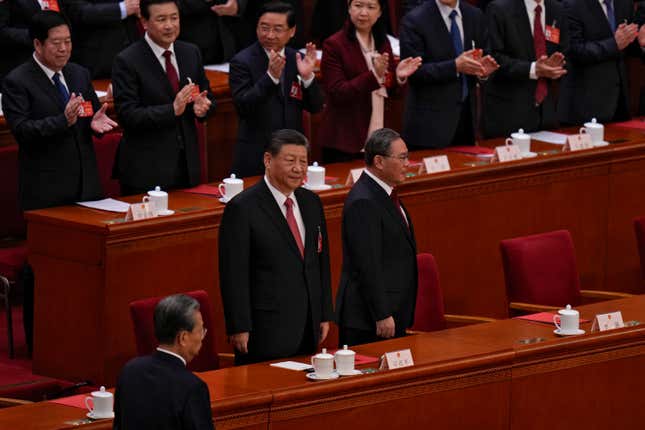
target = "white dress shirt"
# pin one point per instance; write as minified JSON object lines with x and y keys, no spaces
{"x":445,"y":14}
{"x":280,"y":199}
{"x":50,"y":73}
{"x":386,"y":188}
{"x":160,"y":349}
{"x":530,"y":10}
{"x":158,"y":51}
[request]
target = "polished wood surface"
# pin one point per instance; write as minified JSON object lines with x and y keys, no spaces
{"x":480,"y":376}
{"x":90,"y":266}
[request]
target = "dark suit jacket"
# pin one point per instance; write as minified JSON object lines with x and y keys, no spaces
{"x":57,"y":162}
{"x":263,"y":106}
{"x":379,"y":276}
{"x":510,"y":93}
{"x":213,"y":34}
{"x":152,"y":135}
{"x":432,"y":107}
{"x":596,"y":85}
{"x":99,"y":34}
{"x":348,"y":85}
{"x":157,"y":392}
{"x":267,"y":288}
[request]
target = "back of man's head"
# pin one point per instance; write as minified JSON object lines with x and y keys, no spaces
{"x":42,"y":22}
{"x":174,"y":314}
{"x":286,"y":136}
{"x":379,"y":143}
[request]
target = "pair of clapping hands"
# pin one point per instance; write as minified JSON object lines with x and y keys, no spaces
{"x":190,"y":94}
{"x":306,"y":63}
{"x":404,"y":69}
{"x":76,"y":107}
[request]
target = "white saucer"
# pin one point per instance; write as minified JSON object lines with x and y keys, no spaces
{"x":102,"y":417}
{"x":322,"y":187}
{"x":351,"y":373}
{"x":315,"y":377}
{"x":599,"y":144}
{"x":166,"y":212}
{"x":223,"y":200}
{"x":562,"y":333}
{"x":529,"y":154}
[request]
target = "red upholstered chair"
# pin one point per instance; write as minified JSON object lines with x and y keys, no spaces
{"x":639,"y":228}
{"x":12,"y":223}
{"x":203,"y":151}
{"x":541,"y":273}
{"x":106,"y":148}
{"x":429,"y":311}
{"x":12,"y":261}
{"x":142,"y":312}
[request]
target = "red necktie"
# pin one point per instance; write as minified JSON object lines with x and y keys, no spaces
{"x":171,"y":72}
{"x":293,"y":226}
{"x":395,"y":199}
{"x":539,"y":43}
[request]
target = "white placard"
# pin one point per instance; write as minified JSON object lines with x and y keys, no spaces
{"x":610,"y":321}
{"x":353,"y":176}
{"x":508,"y":153}
{"x":578,"y":142}
{"x":397,"y":359}
{"x":435,"y":164}
{"x":109,"y":205}
{"x":139,"y":211}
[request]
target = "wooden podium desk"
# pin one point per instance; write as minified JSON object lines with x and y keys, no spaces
{"x":475,"y":377}
{"x":88,"y":270}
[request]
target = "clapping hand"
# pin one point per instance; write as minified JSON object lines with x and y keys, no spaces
{"x":101,"y":123}
{"x":230,"y":8}
{"x":72,"y":109}
{"x":307,"y":63}
{"x":489,"y":64}
{"x":626,"y":34}
{"x":276,"y":64}
{"x":407,"y":67}
{"x":201,"y":105}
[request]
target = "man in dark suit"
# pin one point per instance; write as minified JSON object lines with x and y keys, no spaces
{"x":15,"y":16}
{"x":211,"y":25}
{"x":596,"y":85}
{"x":528,"y":39}
{"x":157,"y":392}
{"x":157,"y":82}
{"x":271,"y":84}
{"x":43,"y":103}
{"x":441,"y":101}
{"x":274,"y":260}
{"x":378,"y":284}
{"x":102,"y":28}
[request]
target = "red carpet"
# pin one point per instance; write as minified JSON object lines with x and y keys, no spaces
{"x":16,"y":378}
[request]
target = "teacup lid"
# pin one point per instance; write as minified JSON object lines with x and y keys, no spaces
{"x":315,"y":167}
{"x":101,"y":393}
{"x":323,"y":354}
{"x":593,"y":124}
{"x":233,"y":179}
{"x":345,"y":351}
{"x":568,"y":311}
{"x":520,"y":134}
{"x":157,"y":192}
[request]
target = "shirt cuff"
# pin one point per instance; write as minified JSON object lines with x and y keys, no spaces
{"x":532,"y":74}
{"x":124,"y":13}
{"x":307,"y":82}
{"x":275,"y":81}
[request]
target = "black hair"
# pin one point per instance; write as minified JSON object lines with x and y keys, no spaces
{"x":42,"y":22}
{"x":379,"y":143}
{"x":379,"y":29}
{"x":174,"y":314}
{"x":283,"y":137}
{"x":279,"y":7}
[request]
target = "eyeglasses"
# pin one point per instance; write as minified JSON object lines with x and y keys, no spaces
{"x":266,"y":29}
{"x":401,"y":157}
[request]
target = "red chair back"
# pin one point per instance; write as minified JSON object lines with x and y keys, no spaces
{"x":142,"y":313}
{"x":12,"y":223}
{"x":541,"y":269}
{"x":429,"y":310}
{"x":106,"y":148}
{"x":639,"y":228}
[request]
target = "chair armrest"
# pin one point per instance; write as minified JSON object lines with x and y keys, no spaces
{"x":6,"y":402}
{"x":226,"y":359}
{"x":467,"y":319}
{"x":531,"y":307}
{"x":604,"y":295}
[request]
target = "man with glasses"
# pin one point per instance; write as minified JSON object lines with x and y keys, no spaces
{"x":271,"y":84}
{"x":157,"y":391}
{"x":378,"y":285}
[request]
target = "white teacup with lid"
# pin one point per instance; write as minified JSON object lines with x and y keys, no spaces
{"x":521,"y":139}
{"x":345,"y":361}
{"x":159,"y":201}
{"x":323,"y":364}
{"x":102,"y":404}
{"x":596,"y":130}
{"x":230,"y":187}
{"x":315,"y":175}
{"x":567,"y":321}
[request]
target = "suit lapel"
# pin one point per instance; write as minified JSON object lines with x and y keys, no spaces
{"x":467,"y":23}
{"x":437,"y":22}
{"x":521,"y":17}
{"x":599,"y":14}
{"x":274,"y":213}
{"x":43,"y":81}
{"x":184,"y":63}
{"x":156,"y":69}
{"x":310,"y":220}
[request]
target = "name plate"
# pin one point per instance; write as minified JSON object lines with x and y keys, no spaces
{"x":396,"y":360}
{"x":435,"y":164}
{"x":610,"y":321}
{"x":508,"y":153}
{"x":578,"y":142}
{"x":139,"y":211}
{"x":353,"y":176}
